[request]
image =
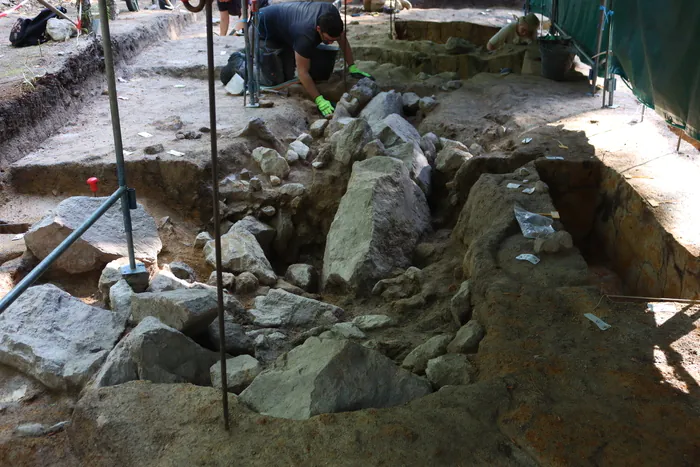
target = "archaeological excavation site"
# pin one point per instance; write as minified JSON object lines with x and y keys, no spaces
{"x":350,"y":233}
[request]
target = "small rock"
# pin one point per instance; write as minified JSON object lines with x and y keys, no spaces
{"x":300,"y":148}
{"x":449,"y":370}
{"x":283,"y":309}
{"x":411,"y":103}
{"x":268,"y":211}
{"x":275,"y":181}
{"x":293,"y":190}
{"x":318,"y":164}
{"x":467,"y":338}
{"x":371,"y":322}
{"x":228,"y":280}
{"x":164,"y":280}
{"x":292,"y":156}
{"x":452,"y":85}
{"x":112,"y":273}
{"x":303,"y":276}
{"x":541,"y":187}
{"x":364,"y":90}
{"x":352,"y":104}
{"x":205,"y":129}
{"x":306,"y":138}
{"x":350,"y":141}
{"x":262,"y":232}
{"x":240,"y":372}
{"x":256,"y":128}
{"x":427,"y":104}
{"x":244,"y":174}
{"x":374,"y":148}
{"x":381,"y":106}
{"x":187,"y":310}
{"x":242,"y":252}
{"x":180,"y":135}
{"x":403,"y":286}
{"x":202,"y":239}
{"x":318,"y":127}
{"x":450,"y":159}
{"x":270,"y":162}
{"x":417,"y":360}
{"x":246,"y":283}
{"x":347,"y":331}
{"x":460,"y":305}
{"x":287,"y":287}
{"x":155,"y":149}
{"x":183,"y":271}
{"x":457,"y":45}
{"x":255,"y":184}
{"x":120,"y":296}
{"x":558,"y":241}
{"x":476,"y":149}
{"x":234,"y":190}
{"x":236,"y":341}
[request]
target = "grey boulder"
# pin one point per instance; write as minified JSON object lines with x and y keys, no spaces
{"x":270,"y":162}
{"x":415,"y":161}
{"x":183,"y":271}
{"x":240,"y":372}
{"x":165,"y":280}
{"x":155,"y":352}
{"x":449,"y":370}
{"x":240,"y":252}
{"x":112,"y":273}
{"x":187,"y":310}
{"x":467,"y":338}
{"x":417,"y":360}
{"x":381,"y":106}
{"x":377,"y":225}
{"x":55,"y":338}
{"x":303,"y":276}
{"x":371,"y":322}
{"x":283,"y":309}
{"x":331,"y":375}
{"x":262,"y":232}
{"x":394,"y":130}
{"x":105,"y":241}
{"x":349,"y":141}
{"x":236,"y":341}
{"x":460,"y":305}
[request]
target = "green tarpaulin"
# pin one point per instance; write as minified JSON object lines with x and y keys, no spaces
{"x":656,"y":45}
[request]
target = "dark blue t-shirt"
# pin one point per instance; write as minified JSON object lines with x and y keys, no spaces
{"x":294,"y":24}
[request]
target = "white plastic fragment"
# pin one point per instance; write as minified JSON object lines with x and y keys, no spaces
{"x":513,"y":186}
{"x":527,"y":140}
{"x":18,"y":237}
{"x":599,"y":322}
{"x":145,"y":134}
{"x":173,"y":152}
{"x":127,"y":153}
{"x":179,"y":86}
{"x":528,"y":257}
{"x":235,"y":85}
{"x":124,"y":98}
{"x":529,"y":191}
{"x":555,"y":158}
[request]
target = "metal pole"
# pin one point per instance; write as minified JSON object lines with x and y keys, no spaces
{"x":611,"y":75}
{"x":244,"y":10}
{"x":116,"y":130}
{"x":598,"y":47}
{"x":678,"y":146}
{"x":644,"y":107}
{"x":59,"y":250}
{"x":217,"y":225}
{"x":345,"y":60}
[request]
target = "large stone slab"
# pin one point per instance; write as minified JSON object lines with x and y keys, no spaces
{"x":349,"y":141}
{"x":155,"y":352}
{"x":55,"y":338}
{"x":394,"y":130}
{"x":283,"y":309}
{"x":187,"y":310}
{"x":415,"y":161}
{"x":378,"y":223}
{"x":329,"y":375}
{"x":381,"y":106}
{"x":241,"y":252}
{"x":105,"y":241}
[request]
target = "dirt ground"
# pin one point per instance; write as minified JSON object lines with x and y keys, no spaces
{"x":551,"y":388}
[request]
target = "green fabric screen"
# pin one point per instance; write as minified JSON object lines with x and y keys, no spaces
{"x":656,"y":46}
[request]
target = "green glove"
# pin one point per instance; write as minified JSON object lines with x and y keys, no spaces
{"x":356,"y":73}
{"x":324,"y":106}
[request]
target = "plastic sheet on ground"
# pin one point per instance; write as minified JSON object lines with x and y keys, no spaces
{"x":533,"y":225}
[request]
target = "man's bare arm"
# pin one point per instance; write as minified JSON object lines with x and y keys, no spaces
{"x":347,"y":50}
{"x":303,"y":65}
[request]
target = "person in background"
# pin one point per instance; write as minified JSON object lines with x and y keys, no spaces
{"x":524,"y":31}
{"x":227,"y":8}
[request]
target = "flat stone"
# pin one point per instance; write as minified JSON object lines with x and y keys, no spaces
{"x":55,"y":338}
{"x":416,"y":163}
{"x":349,"y":141}
{"x":292,"y":190}
{"x":183,"y":271}
{"x":105,"y":241}
{"x":377,"y":225}
{"x":467,"y":338}
{"x":449,"y":370}
{"x":202,"y":239}
{"x":374,"y":148}
{"x":381,"y":106}
{"x":347,"y":331}
{"x":417,"y":360}
{"x":460,"y":305}
{"x":241,"y":252}
{"x":189,"y":311}
{"x":372,"y":322}
{"x":240,"y":372}
{"x":158,"y":353}
{"x":306,"y":138}
{"x":270,"y":162}
{"x":283,"y":309}
{"x":303,"y":276}
{"x":300,"y":148}
{"x":236,"y":341}
{"x":327,"y":376}
{"x":394,"y":130}
{"x":292,"y":156}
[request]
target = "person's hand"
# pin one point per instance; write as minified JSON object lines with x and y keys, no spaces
{"x":324,"y":106}
{"x":356,"y":73}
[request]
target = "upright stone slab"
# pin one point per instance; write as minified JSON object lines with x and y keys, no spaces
{"x":187,"y":310}
{"x":331,"y":375}
{"x":241,"y":252}
{"x":378,"y":223}
{"x":56,"y":338}
{"x":381,"y":106}
{"x":155,"y":352}
{"x":415,"y":161}
{"x":105,"y":241}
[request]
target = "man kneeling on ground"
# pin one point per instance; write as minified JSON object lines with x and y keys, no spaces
{"x":524,"y":31}
{"x":298,"y":28}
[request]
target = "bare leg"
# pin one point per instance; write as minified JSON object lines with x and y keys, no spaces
{"x":223,"y":26}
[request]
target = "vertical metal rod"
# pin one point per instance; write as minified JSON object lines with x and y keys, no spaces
{"x":244,"y":14}
{"x":256,"y":51}
{"x":116,"y":129}
{"x":678,"y":146}
{"x":644,"y":107}
{"x":607,"y":69}
{"x":611,"y":54}
{"x":345,"y":61}
{"x":217,"y":224}
{"x":599,"y":45}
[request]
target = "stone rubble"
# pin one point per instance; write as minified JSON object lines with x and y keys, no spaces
{"x":187,"y":310}
{"x":417,"y":360}
{"x":240,"y":372}
{"x":467,"y":338}
{"x":283,"y":309}
{"x":241,"y":252}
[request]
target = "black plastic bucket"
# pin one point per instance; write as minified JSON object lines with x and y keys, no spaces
{"x":557,"y":58}
{"x":323,"y":62}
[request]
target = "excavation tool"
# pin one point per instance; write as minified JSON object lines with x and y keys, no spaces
{"x":215,"y":178}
